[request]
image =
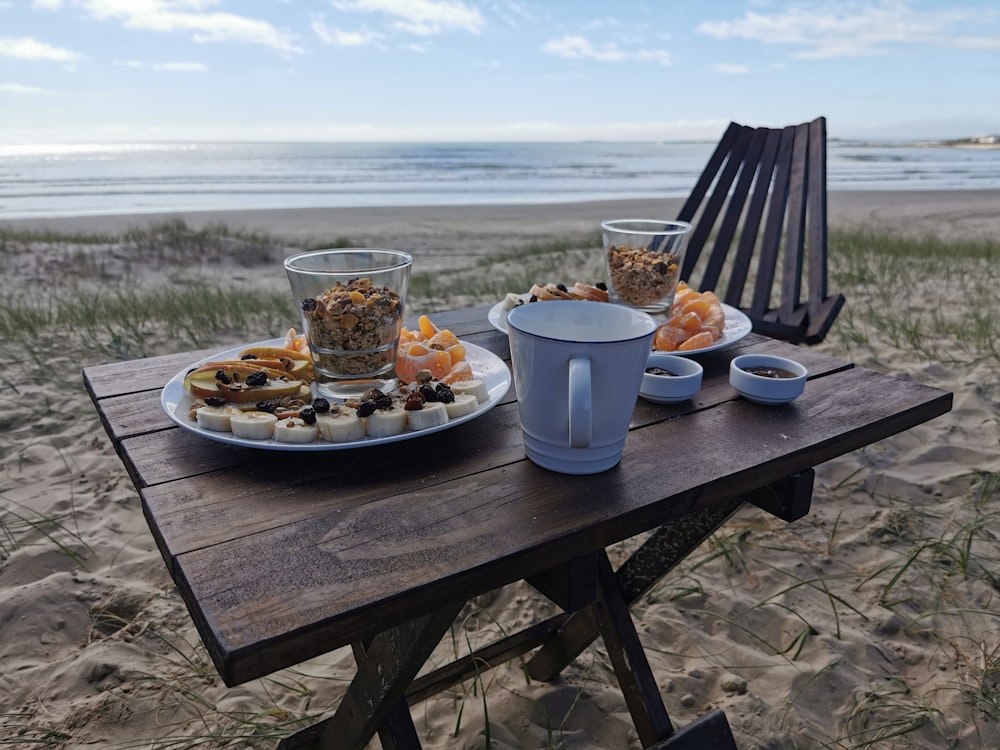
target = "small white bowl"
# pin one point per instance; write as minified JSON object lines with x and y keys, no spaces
{"x":780,"y":388}
{"x":682,"y":384}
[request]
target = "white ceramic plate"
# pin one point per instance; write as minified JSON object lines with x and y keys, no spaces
{"x":486,"y":366}
{"x":737,"y":326}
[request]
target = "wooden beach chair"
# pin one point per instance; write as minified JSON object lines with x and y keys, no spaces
{"x":758,"y":208}
{"x":758,"y":213}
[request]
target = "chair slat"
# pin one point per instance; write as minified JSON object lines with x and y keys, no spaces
{"x":795,"y":224}
{"x":773,"y":227}
{"x":734,"y":209}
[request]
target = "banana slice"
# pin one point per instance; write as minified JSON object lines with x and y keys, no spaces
{"x":215,"y":418}
{"x":295,"y":430}
{"x":512,"y":300}
{"x":343,"y":426}
{"x":431,"y":414}
{"x":476,"y":387}
{"x":253,"y":425}
{"x":386,"y":422}
{"x":464,"y":403}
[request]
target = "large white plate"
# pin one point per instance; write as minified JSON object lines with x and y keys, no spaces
{"x":486,"y":366}
{"x":737,"y":326}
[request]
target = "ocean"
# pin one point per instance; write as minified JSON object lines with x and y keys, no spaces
{"x":81,"y":179}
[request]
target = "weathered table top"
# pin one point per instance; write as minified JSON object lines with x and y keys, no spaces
{"x":282,"y":556}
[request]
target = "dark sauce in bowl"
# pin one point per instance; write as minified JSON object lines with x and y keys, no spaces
{"x":660,"y":371}
{"x":765,"y":371}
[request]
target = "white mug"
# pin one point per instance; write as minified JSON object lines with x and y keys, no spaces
{"x":577,"y":370}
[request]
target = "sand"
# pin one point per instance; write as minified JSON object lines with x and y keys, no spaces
{"x":802,"y":632}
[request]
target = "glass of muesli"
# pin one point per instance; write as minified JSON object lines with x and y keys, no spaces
{"x":642,"y":259}
{"x":351,"y":304}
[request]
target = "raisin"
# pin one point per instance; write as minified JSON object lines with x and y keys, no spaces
{"x":428,"y":392}
{"x":661,"y":268}
{"x":414,"y":402}
{"x":444,"y":393}
{"x":562,"y":287}
{"x":269,"y":406}
{"x":308,"y":304}
{"x":383,"y":402}
{"x":602,"y":286}
{"x":307,"y":414}
{"x":215,"y":401}
{"x":321,"y":405}
{"x":221,"y":376}
{"x":371,"y":394}
{"x":249,"y":356}
{"x":256,"y":378}
{"x":366,"y":409}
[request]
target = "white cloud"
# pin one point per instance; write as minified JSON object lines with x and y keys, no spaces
{"x":17,"y":88}
{"x":730,"y":69}
{"x":188,"y":15}
{"x":420,"y":17}
{"x":340,"y":38}
{"x":47,"y":4}
{"x":26,"y":48}
{"x":851,"y":29}
{"x":578,"y":47}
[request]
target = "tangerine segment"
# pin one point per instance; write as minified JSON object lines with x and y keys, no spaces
{"x":457,"y":352}
{"x":698,"y":341}
{"x":436,"y":361}
{"x":442,"y":339}
{"x":459,"y":371}
{"x":426,"y":327}
{"x":669,"y":337}
{"x":699,"y":306}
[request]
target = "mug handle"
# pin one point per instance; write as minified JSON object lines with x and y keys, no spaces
{"x":580,"y":402}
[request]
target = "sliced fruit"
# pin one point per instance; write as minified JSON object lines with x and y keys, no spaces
{"x":253,"y":425}
{"x":698,"y":341}
{"x":436,"y":361}
{"x":426,"y":327}
{"x":386,"y":422}
{"x":458,"y":371}
{"x":205,"y":384}
{"x":341,"y":427}
{"x":667,"y":338}
{"x":295,"y":430}
{"x":464,"y":403}
{"x":474,"y":387}
{"x":432,"y":414}
{"x":275,"y":352}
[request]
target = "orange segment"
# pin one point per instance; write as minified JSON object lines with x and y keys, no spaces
{"x":668,"y":338}
{"x":459,"y":371}
{"x":457,"y":353}
{"x":426,"y":327}
{"x":436,"y":361}
{"x":698,"y":341}
{"x":442,"y":339}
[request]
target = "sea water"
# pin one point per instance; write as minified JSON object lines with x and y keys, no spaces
{"x":79,"y":179}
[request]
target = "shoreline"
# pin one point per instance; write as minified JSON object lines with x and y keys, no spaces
{"x":959,"y":214}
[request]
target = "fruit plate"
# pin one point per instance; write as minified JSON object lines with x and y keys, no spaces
{"x":737,"y":326}
{"x":486,"y":366}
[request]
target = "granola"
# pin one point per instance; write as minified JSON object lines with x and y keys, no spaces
{"x":642,"y":277}
{"x":353,"y":329}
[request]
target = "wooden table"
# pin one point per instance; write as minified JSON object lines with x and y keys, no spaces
{"x":284,"y":556}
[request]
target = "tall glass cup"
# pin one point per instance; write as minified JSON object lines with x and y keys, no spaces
{"x":351,"y":303}
{"x":643,"y":259}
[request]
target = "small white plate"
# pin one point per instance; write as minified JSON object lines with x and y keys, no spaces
{"x":486,"y":366}
{"x":737,"y":326}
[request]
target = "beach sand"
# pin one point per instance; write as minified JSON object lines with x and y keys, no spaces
{"x":801,"y":632}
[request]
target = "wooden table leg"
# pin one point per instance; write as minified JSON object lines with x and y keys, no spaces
{"x":668,"y":545}
{"x":396,"y":731}
{"x":377,"y":693}
{"x":642,"y":695}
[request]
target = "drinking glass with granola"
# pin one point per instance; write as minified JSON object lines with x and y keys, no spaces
{"x":351,"y":304}
{"x":643,"y":261}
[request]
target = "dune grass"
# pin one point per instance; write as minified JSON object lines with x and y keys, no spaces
{"x":912,"y":545}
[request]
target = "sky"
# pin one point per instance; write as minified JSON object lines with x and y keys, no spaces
{"x":493,"y":70}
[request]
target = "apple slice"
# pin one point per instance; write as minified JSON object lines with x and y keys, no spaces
{"x":204,"y":385}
